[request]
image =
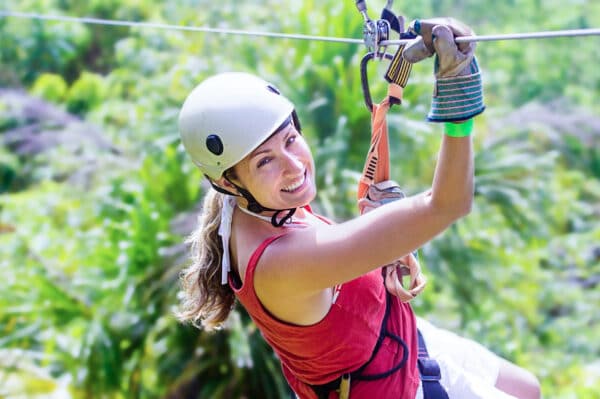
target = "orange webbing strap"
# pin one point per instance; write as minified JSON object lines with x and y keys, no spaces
{"x":377,"y":164}
{"x":377,"y":170}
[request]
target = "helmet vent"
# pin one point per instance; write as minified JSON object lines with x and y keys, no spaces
{"x":214,"y":144}
{"x":273,"y":89}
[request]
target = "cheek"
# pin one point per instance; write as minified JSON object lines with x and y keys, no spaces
{"x":262,"y":183}
{"x":306,"y":154}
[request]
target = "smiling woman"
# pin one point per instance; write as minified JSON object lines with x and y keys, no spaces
{"x":315,"y":289}
{"x":212,"y":121}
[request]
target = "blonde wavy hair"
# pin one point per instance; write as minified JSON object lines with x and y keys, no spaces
{"x":205,"y":302}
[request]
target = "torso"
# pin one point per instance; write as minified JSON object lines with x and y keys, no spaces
{"x":343,"y":340}
{"x":248,"y":233}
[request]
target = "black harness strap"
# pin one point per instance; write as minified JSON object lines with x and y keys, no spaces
{"x":430,"y":373}
{"x":323,"y":390}
{"x":429,"y":369}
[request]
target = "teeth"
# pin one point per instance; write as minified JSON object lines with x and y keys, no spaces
{"x":294,"y":186}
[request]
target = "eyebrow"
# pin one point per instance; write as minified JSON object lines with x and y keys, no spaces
{"x":256,"y":153}
{"x":283,"y":129}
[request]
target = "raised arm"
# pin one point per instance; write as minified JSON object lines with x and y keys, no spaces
{"x":311,"y":260}
{"x":323,"y":256}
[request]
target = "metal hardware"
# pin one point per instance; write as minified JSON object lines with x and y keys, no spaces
{"x":374,"y":32}
{"x":365,"y":79}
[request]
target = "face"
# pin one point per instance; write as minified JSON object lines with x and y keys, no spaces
{"x":280,"y":172}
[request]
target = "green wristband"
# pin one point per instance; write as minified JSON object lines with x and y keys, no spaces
{"x":463,"y":129}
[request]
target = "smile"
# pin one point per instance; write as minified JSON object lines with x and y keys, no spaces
{"x":296,"y":184}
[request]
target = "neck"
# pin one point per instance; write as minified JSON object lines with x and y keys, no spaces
{"x":269,"y":218}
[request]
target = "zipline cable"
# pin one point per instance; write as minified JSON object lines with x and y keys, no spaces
{"x":98,"y":21}
{"x":484,"y":38}
{"x":512,"y":36}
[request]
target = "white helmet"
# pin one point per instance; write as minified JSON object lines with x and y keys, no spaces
{"x":227,"y":116}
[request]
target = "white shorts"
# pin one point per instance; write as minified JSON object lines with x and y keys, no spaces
{"x":469,"y":370}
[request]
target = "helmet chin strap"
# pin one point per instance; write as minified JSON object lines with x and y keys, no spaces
{"x":254,"y":206}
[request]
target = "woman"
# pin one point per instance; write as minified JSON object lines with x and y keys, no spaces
{"x":315,"y":289}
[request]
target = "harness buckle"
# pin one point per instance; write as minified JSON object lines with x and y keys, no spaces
{"x":429,"y":369}
{"x":344,"y":390}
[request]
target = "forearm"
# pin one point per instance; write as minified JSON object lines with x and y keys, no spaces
{"x":452,"y":187}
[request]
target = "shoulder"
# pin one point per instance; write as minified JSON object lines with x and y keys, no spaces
{"x":246,"y":237}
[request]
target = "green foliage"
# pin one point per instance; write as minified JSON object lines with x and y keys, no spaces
{"x":86,"y":92}
{"x":51,"y":87}
{"x":89,"y":266}
{"x":9,"y":166}
{"x":33,"y":47}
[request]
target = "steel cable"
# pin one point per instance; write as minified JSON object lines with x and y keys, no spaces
{"x":99,"y":21}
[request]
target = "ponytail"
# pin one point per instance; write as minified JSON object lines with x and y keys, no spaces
{"x":205,"y":302}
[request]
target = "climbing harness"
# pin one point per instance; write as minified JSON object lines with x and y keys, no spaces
{"x":429,"y":370}
{"x":342,"y":383}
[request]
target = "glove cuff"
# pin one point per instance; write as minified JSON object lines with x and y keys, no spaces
{"x":457,"y":98}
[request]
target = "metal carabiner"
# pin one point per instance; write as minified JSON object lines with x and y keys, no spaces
{"x":364,"y":79}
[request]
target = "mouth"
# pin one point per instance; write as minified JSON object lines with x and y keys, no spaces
{"x":296,"y":184}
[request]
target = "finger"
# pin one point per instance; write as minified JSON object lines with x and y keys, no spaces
{"x":423,"y":27}
{"x":411,"y":260}
{"x":416,"y":51}
{"x":443,"y":42}
{"x":451,"y":61}
{"x":419,"y":285}
{"x":417,"y":279}
{"x":461,"y":29}
{"x":448,"y":34}
{"x":402,"y":293}
{"x":394,"y":286}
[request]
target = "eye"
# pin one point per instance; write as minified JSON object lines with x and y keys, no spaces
{"x":263,"y":161}
{"x":290,"y":140}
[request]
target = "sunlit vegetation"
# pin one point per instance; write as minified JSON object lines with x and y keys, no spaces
{"x":97,"y":195}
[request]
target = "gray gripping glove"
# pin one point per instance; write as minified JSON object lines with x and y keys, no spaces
{"x":458,"y":93}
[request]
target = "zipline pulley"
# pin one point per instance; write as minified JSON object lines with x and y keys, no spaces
{"x":376,"y":32}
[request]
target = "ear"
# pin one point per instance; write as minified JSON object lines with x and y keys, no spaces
{"x":224,"y":185}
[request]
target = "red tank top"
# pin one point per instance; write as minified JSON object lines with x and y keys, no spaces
{"x":343,"y":341}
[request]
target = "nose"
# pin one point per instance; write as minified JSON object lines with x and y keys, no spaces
{"x":293,"y":164}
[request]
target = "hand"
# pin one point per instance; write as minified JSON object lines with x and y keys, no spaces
{"x":394,"y":275}
{"x":458,"y":91}
{"x":436,"y":36}
{"x":377,"y":195}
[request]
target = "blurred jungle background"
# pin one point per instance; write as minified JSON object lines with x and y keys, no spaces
{"x":97,"y":195}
